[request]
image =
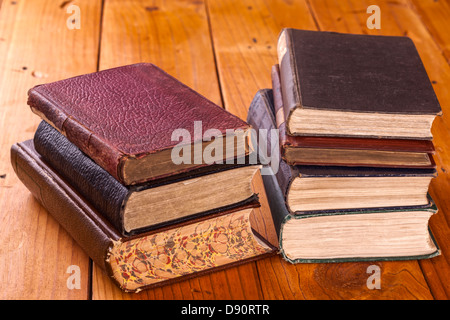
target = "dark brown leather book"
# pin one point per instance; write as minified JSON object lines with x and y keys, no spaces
{"x":129,"y":120}
{"x":134,"y":209}
{"x":382,"y":234}
{"x":354,"y":85}
{"x":134,"y":263}
{"x":310,"y":189}
{"x":347,"y":151}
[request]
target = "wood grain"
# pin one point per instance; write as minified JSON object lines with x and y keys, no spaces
{"x":245,"y":36}
{"x":224,"y":49}
{"x":35,"y":47}
{"x":435,"y":15}
{"x":172,"y":35}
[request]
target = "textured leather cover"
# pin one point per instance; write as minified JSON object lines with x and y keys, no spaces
{"x":102,"y":190}
{"x":281,"y":215}
{"x":261,"y":116}
{"x":126,"y":112}
{"x":89,"y":229}
{"x":346,"y":143}
{"x":354,"y":73}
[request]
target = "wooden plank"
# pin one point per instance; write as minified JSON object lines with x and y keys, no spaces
{"x":399,"y":18}
{"x":36,"y":47}
{"x":174,"y":36}
{"x":437,"y":270}
{"x":245,"y":35}
{"x":435,"y":15}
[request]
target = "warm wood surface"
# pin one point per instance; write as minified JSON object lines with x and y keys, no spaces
{"x":224,"y":49}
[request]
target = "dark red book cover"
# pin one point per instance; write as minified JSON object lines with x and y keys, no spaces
{"x":123,"y":115}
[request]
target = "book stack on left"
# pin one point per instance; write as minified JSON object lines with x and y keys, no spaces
{"x":133,"y":164}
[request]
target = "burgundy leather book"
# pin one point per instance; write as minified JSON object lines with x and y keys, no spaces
{"x":128,"y":120}
{"x":191,"y":248}
{"x":314,"y":188}
{"x":354,"y":85}
{"x":347,"y":151}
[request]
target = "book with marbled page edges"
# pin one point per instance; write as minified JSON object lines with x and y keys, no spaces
{"x":173,"y":253}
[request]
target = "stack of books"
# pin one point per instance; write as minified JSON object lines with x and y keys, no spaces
{"x":354,"y":116}
{"x":149,"y":177}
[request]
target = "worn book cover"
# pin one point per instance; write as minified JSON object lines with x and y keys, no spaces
{"x":313,"y":188}
{"x":354,"y":85}
{"x":153,"y":258}
{"x":348,"y":151}
{"x":360,"y":235}
{"x":128,"y":120}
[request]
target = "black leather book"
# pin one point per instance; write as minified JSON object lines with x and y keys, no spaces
{"x":144,"y":207}
{"x":310,"y":188}
{"x":354,"y":85}
{"x":347,"y":151}
{"x":381,"y":234}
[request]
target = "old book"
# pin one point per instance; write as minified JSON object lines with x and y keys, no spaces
{"x":133,"y":209}
{"x":129,"y":120}
{"x":154,"y":258}
{"x":347,"y":151}
{"x":319,"y":188}
{"x":361,"y":235}
{"x":312,"y":188}
{"x":354,"y":85}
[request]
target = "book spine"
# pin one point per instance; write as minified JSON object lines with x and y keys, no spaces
{"x":95,"y":184}
{"x":288,"y":75}
{"x":277,"y":204}
{"x":261,"y":116}
{"x":100,"y":151}
{"x":278,"y":110}
{"x":92,"y":236}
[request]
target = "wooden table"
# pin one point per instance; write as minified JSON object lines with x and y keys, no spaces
{"x":224,"y":49}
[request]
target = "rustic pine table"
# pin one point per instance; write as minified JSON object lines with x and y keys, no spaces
{"x":224,"y":49}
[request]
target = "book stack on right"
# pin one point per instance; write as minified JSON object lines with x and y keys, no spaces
{"x":354,"y":114}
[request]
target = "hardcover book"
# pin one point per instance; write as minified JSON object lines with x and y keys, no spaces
{"x":312,"y":188}
{"x":125,"y":119}
{"x":361,"y":235}
{"x":354,"y":85}
{"x":133,"y":209}
{"x":346,"y":151}
{"x":150,"y":259}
